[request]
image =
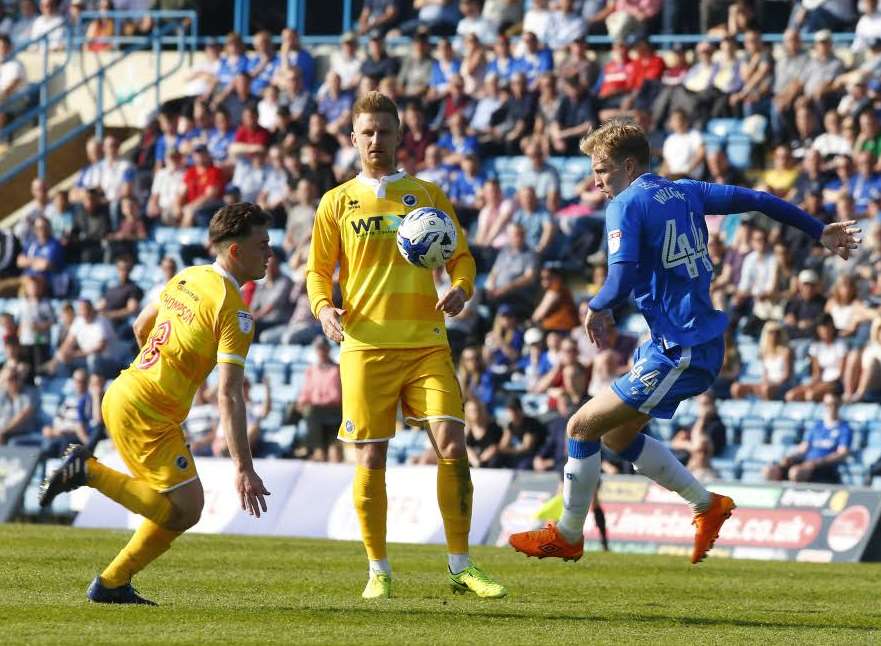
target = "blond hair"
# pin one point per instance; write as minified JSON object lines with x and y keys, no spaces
{"x":617,"y":139}
{"x":375,"y":103}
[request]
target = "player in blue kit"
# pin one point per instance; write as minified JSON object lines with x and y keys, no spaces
{"x":657,"y":240}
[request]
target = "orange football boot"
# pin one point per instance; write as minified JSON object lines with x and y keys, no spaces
{"x":708,"y":523}
{"x":547,"y":542}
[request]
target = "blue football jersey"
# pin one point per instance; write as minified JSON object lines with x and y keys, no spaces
{"x":659,"y":224}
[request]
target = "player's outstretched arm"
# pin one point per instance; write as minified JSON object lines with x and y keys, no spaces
{"x":231,"y":401}
{"x":144,"y":323}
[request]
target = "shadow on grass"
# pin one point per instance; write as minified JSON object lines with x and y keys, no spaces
{"x":377,"y":608}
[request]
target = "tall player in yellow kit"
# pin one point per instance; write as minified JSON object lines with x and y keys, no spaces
{"x":394,"y":344}
{"x":199,"y":321}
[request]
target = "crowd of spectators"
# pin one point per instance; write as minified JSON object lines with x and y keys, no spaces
{"x":271,"y":124}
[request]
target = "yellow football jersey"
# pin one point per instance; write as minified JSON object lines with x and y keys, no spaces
{"x":202,"y":321}
{"x":389,"y":303}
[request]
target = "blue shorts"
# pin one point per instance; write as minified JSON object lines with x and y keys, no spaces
{"x":661,"y":379}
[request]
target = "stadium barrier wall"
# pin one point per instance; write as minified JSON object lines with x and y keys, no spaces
{"x":774,"y":521}
{"x":16,"y":468}
{"x":315,"y":500}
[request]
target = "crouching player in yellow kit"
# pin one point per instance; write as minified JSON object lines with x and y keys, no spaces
{"x":394,"y":345}
{"x":198,"y":322}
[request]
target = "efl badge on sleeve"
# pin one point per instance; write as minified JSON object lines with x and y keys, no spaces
{"x":246,"y":322}
{"x":614,"y":240}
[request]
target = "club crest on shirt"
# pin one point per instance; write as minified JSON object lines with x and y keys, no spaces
{"x":409,"y":199}
{"x":614,"y":240}
{"x":246,"y":321}
{"x":181,"y":462}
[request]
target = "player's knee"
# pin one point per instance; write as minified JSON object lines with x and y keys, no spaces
{"x":581,"y":428}
{"x":183,"y":518}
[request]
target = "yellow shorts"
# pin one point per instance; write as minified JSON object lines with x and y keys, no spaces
{"x":374,"y":381}
{"x":155,"y":451}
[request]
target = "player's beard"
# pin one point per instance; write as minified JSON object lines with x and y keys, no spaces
{"x":383,"y":164}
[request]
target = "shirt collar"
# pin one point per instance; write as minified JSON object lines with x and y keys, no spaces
{"x":379,"y":185}
{"x":223,"y":272}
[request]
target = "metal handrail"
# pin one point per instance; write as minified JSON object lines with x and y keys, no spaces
{"x":45,"y":148}
{"x":47,"y":77}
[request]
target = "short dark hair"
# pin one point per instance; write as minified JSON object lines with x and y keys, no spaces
{"x":236,"y":221}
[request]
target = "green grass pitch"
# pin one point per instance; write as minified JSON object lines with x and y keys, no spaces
{"x":244,"y":590}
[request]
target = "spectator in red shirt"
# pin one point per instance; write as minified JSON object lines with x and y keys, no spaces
{"x":203,"y":194}
{"x":649,"y":70}
{"x":250,"y":136}
{"x":617,"y":81}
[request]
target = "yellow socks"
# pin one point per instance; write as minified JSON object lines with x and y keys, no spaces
{"x":454,"y":494}
{"x":150,"y":541}
{"x":371,"y":505}
{"x":135,"y":495}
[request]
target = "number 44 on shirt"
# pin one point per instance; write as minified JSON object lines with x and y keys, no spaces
{"x":679,"y":250}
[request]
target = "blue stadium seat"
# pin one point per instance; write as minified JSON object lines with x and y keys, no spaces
{"x":724,"y":128}
{"x":873,"y":436}
{"x":738,"y":148}
{"x":870,"y":455}
{"x":861,"y":413}
{"x":734,"y":408}
{"x":164,"y":235}
{"x":766,"y":410}
{"x":535,"y":404}
{"x":49,"y":403}
{"x":52,"y":385}
{"x":752,"y":475}
{"x":662,"y":429}
{"x":285,"y":393}
{"x":800,"y":411}
{"x":753,"y":435}
{"x":726,"y":462}
{"x":272,"y":422}
{"x":279,"y":442}
{"x":276,"y":237}
{"x":712,"y":142}
{"x":276,"y":373}
{"x":784,"y":436}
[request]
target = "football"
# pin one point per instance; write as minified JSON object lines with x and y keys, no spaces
{"x":427,"y":237}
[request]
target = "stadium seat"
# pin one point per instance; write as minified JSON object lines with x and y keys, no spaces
{"x":873,"y":436}
{"x":861,"y":413}
{"x":800,"y":411}
{"x":724,"y":128}
{"x":535,"y":404}
{"x":870,"y":455}
{"x":766,"y":410}
{"x":712,"y":142}
{"x":734,"y":408}
{"x":49,"y":403}
{"x":276,"y":237}
{"x":738,"y":148}
{"x":275,"y":372}
{"x":662,"y":429}
{"x":752,"y":475}
{"x":784,"y":436}
{"x":753,"y":435}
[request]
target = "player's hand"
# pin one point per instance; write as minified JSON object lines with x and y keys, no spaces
{"x":331,"y":324}
{"x":453,"y":301}
{"x":251,"y":492}
{"x":597,"y":326}
{"x":841,"y":237}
